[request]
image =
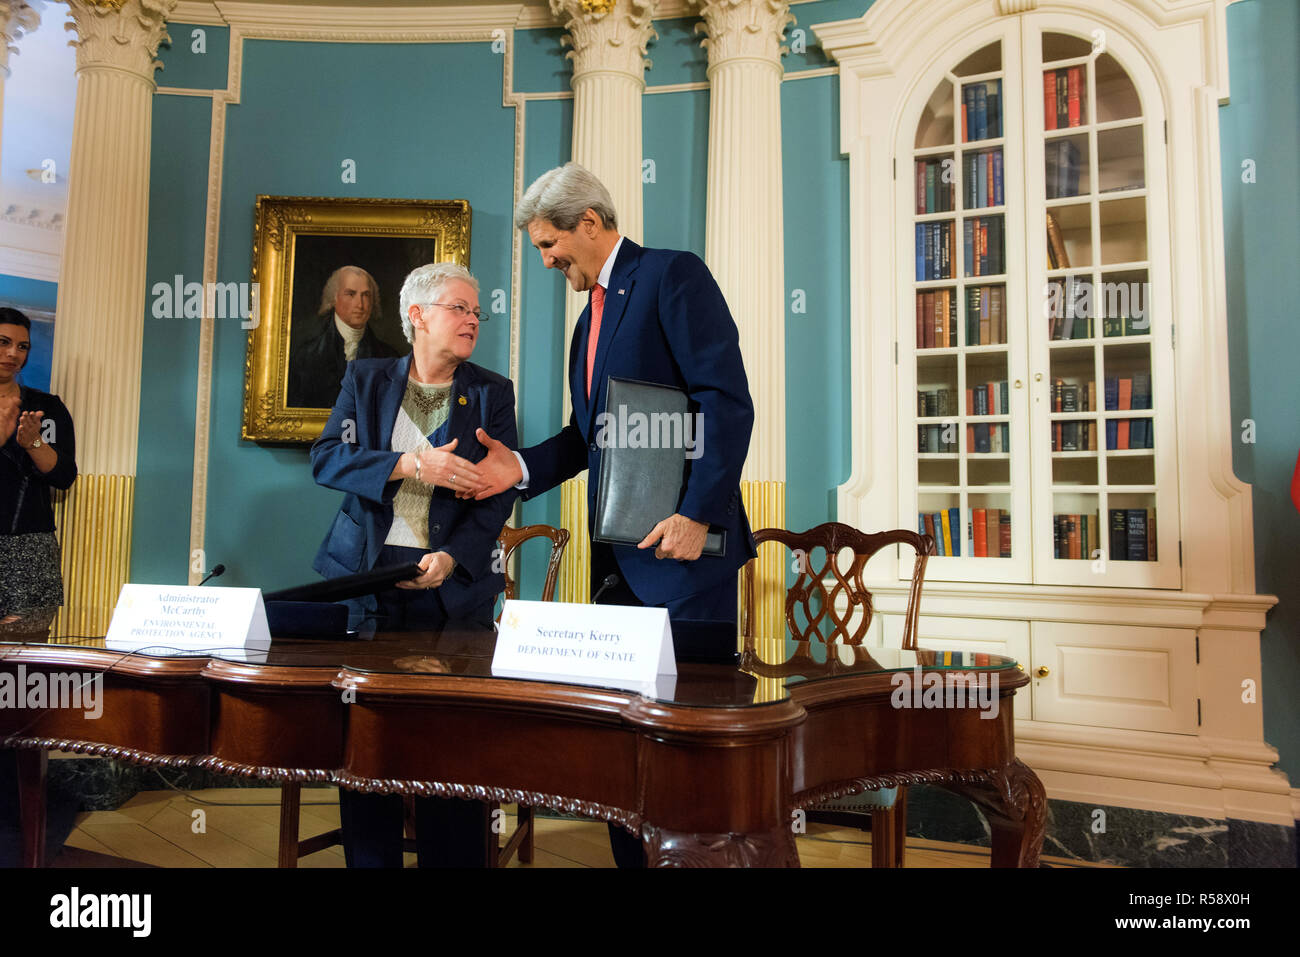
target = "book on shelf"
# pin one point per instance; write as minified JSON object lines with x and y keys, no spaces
{"x":982,"y":244}
{"x":981,"y":110}
{"x":1132,"y":534}
{"x":1062,"y":164}
{"x":1124,"y":326}
{"x":932,"y":438}
{"x":936,"y":402}
{"x":986,"y":531}
{"x":1064,"y":98}
{"x":1057,"y":257}
{"x":933,"y":193}
{"x":934,"y":250}
{"x":1074,"y":536}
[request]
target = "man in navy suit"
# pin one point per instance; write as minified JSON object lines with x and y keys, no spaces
{"x":654,"y":315}
{"x":390,"y":444}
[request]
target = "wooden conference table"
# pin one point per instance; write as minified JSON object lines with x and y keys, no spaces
{"x":710,"y":772}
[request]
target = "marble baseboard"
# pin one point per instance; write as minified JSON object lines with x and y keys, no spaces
{"x":1114,"y":835}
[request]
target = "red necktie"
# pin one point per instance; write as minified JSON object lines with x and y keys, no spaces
{"x":593,"y":337}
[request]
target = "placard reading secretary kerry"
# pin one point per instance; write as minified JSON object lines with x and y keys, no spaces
{"x":612,"y":645}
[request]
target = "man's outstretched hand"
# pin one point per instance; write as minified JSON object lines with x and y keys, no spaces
{"x":498,"y":470}
{"x":677,"y":537}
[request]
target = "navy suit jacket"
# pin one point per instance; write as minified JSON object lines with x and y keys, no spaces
{"x":354,"y":455}
{"x":665,"y":321}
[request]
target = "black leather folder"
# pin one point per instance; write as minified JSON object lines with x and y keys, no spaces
{"x":348,"y":586}
{"x":642,"y":471}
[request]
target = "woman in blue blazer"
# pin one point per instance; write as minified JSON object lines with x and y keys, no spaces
{"x":401,"y":443}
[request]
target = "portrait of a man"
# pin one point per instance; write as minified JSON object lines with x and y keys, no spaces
{"x":349,"y":301}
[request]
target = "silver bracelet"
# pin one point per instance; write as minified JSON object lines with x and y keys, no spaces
{"x":417,"y":466}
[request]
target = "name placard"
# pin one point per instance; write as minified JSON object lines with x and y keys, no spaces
{"x":184,"y":619}
{"x":614,"y":646}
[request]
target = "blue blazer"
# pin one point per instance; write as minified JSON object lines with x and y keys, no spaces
{"x":665,"y":321}
{"x":354,"y":455}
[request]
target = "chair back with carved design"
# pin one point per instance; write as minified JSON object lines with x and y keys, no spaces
{"x":511,"y":538}
{"x":829,"y":594}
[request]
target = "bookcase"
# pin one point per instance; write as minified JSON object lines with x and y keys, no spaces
{"x":1039,"y":378}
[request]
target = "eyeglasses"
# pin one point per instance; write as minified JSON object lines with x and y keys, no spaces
{"x":461,"y":310}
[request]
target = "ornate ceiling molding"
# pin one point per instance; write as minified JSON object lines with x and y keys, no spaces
{"x":16,"y":19}
{"x":607,"y":35}
{"x":120,"y":34}
{"x":744,"y":29}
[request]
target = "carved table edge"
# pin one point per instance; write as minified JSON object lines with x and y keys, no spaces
{"x":136,"y":756}
{"x":628,"y":820}
{"x":811,"y":797}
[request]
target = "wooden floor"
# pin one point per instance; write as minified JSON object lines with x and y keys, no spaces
{"x":239,"y":827}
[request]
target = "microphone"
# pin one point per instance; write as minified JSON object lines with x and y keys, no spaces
{"x":217,"y":570}
{"x":609,"y":582}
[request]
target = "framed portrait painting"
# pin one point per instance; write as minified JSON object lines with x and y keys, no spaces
{"x":328,"y":273}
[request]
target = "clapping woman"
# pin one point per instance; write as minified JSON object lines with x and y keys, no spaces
{"x":36,"y":454}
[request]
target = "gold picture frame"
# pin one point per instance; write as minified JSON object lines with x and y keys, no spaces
{"x":297,"y":241}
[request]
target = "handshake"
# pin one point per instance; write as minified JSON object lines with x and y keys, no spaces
{"x":676,"y":537}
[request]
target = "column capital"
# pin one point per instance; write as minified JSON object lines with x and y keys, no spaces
{"x":16,"y":18}
{"x":119,"y":34}
{"x":743,"y":29}
{"x":607,"y":35}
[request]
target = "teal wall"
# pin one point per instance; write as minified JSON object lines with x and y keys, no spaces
{"x":1261,"y":248}
{"x":300,"y":116}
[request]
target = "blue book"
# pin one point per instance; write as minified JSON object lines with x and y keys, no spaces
{"x":997,"y":175}
{"x":920,"y":251}
{"x":1112,"y":433}
{"x":968,"y":247}
{"x":982,"y":179}
{"x":1112,"y":393}
{"x":981,"y":112}
{"x":954,"y":519}
{"x":929,"y":251}
{"x":1137,"y":535}
{"x":981,"y":437}
{"x":937,"y":518}
{"x":1005,"y":402}
{"x":968,"y":98}
{"x":1141,"y":398}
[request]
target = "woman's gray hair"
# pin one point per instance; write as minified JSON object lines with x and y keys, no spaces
{"x":423,"y":286}
{"x":561,"y":195}
{"x":332,"y":289}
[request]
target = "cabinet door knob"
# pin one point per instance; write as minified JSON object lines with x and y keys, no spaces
{"x":1042,"y":671}
{"x":1038,"y":377}
{"x":1019,"y":384}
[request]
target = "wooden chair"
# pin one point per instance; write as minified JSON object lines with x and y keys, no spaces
{"x":291,"y":848}
{"x":819,"y":607}
{"x":511,"y":539}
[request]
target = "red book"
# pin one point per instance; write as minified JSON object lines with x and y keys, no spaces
{"x":920,"y":186}
{"x":1004,"y":533}
{"x":979,"y":518}
{"x":1056,"y":436}
{"x":964,"y":137}
{"x":1049,"y":102}
{"x":970,"y":407}
{"x":927,"y":305}
{"x":1125,"y":394}
{"x":920,"y":320}
{"x":970,"y":438}
{"x":1121,"y":441}
{"x":939,"y":320}
{"x":993,"y":398}
{"x":929,"y":524}
{"x":1073,"y":81}
{"x":1075,"y":551}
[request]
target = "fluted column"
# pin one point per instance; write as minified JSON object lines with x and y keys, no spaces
{"x":608,"y":40}
{"x":744,"y":247}
{"x":101,"y":300}
{"x":16,"y":19}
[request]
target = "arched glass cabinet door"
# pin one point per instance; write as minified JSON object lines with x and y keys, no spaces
{"x":961,"y":321}
{"x":1106,"y":507}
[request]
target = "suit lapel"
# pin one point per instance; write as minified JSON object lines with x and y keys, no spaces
{"x":578,"y":365}
{"x":390,"y":399}
{"x":616,"y":297}
{"x":462,"y":409}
